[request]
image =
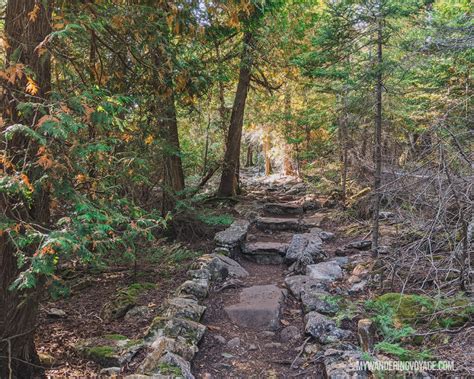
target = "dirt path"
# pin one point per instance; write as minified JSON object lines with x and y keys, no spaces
{"x":241,"y":347}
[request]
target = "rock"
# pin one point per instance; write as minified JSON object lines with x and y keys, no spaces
{"x":222,"y":267}
{"x":366,"y":334}
{"x":230,"y":283}
{"x":172,"y":364}
{"x":252,"y":347}
{"x":56,"y":313}
{"x":297,"y":284}
{"x":324,"y":271}
{"x":110,"y":371}
{"x":233,"y":343}
{"x":305,"y":245}
{"x":123,"y":301}
{"x":112,"y":350}
{"x":160,"y":347}
{"x":197,"y":288}
{"x":222,"y":251}
{"x":321,"y":302}
{"x":259,"y":307}
{"x":359,"y":245}
{"x":341,"y":261}
{"x":282,"y":209}
{"x":297,"y":189}
{"x":190,"y":330}
{"x":220,"y":339}
{"x":184,"y":308}
{"x":343,"y":364}
{"x":227,"y":355}
{"x":311,"y":348}
{"x":357,"y":287}
{"x":310,"y":205}
{"x":290,"y":333}
{"x":202,"y":273}
{"x":265,"y":252}
{"x":233,"y":235}
{"x":323,"y":329}
{"x":138,"y":313}
{"x":278,"y":224}
{"x":313,"y":220}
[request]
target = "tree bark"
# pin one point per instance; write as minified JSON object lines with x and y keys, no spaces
{"x":287,"y":160}
{"x":249,"y":158}
{"x":27,"y":24}
{"x":230,"y":171}
{"x":378,"y":138}
{"x":266,"y":154}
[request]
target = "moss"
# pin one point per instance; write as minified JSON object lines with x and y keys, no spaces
{"x":100,"y":352}
{"x":407,"y":308}
{"x":168,"y":369}
{"x":115,"y":337}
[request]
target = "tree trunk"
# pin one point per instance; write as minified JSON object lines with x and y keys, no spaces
{"x":229,"y":179}
{"x":378,"y":139}
{"x":287,"y":160}
{"x":18,"y":309}
{"x":249,"y":159}
{"x":266,"y":154}
{"x":173,"y":175}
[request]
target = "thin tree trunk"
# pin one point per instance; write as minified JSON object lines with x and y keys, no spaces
{"x":206,"y":146}
{"x":344,"y":143}
{"x":230,"y":171}
{"x":378,"y":139}
{"x":19,"y":309}
{"x":287,"y":160}
{"x":266,"y":154}
{"x":249,"y":159}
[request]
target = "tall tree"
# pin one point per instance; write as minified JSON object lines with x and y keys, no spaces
{"x":27,"y":24}
{"x":230,"y":171}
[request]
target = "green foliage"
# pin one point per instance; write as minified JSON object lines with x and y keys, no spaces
{"x":216,"y":219}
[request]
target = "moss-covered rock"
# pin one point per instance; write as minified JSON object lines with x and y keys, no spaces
{"x":123,"y":300}
{"x":109,"y":350}
{"x":407,"y":308}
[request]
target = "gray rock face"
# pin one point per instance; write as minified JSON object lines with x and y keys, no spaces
{"x":191,"y":331}
{"x":323,"y":329}
{"x":197,"y":288}
{"x":325,"y":271}
{"x":278,"y":224}
{"x":265,"y":252}
{"x":299,"y":284}
{"x":259,"y":307}
{"x":56,"y":313}
{"x":137,"y":313}
{"x":307,"y":247}
{"x":233,"y":235}
{"x":343,"y":364}
{"x":319,"y":301}
{"x":184,"y":308}
{"x":173,"y":360}
{"x":222,"y":267}
{"x":283,"y":209}
{"x":290,"y":333}
{"x":324,"y":235}
{"x":233,"y":343}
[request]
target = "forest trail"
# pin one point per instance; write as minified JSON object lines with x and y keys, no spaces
{"x":256,"y":324}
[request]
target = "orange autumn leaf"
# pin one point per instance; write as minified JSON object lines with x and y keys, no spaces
{"x":31,"y":87}
{"x":45,"y":162}
{"x":26,"y":180}
{"x":33,"y":15}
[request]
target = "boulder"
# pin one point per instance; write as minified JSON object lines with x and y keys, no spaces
{"x":137,"y":313}
{"x":323,"y":329}
{"x":307,"y":246}
{"x":359,"y":245}
{"x":299,"y":284}
{"x":191,"y":331}
{"x":343,"y":363}
{"x":184,"y":308}
{"x":56,"y":313}
{"x":324,"y":271}
{"x":259,"y":307}
{"x":197,"y":288}
{"x":172,"y":364}
{"x":232,"y":236}
{"x":222,"y":267}
{"x":319,"y":301}
{"x":111,"y":350}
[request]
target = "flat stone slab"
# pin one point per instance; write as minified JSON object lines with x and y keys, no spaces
{"x":233,"y":235}
{"x":283,"y":208}
{"x":278,"y":224}
{"x":324,"y":271}
{"x":259,"y":307}
{"x":299,"y":284}
{"x":265,"y":252}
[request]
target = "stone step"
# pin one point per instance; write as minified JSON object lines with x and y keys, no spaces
{"x":283,"y":209}
{"x":265,"y":252}
{"x":270,"y":224}
{"x":260,"y":307}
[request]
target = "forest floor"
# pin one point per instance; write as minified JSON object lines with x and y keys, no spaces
{"x":229,"y":350}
